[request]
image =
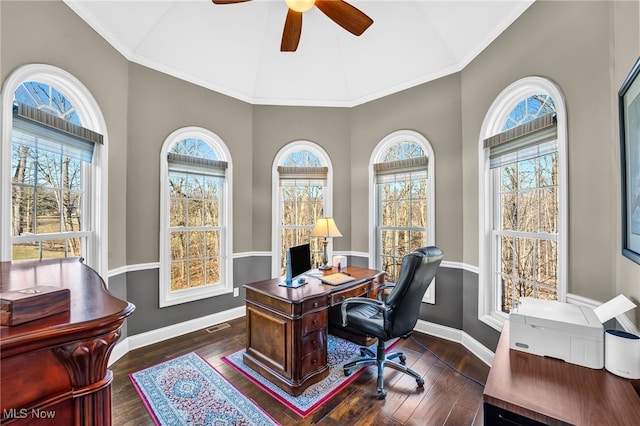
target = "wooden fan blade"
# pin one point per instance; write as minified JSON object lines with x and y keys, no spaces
{"x":345,"y":15}
{"x":291,"y":32}
{"x":228,"y":1}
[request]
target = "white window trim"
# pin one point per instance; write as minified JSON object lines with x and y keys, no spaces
{"x":167,"y":297}
{"x":276,"y":208}
{"x":492,"y":124}
{"x":377,"y":157}
{"x":91,"y":117}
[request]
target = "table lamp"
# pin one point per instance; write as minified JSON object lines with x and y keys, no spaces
{"x":325,"y":227}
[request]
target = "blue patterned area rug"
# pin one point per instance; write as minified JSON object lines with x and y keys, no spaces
{"x":339,"y":352}
{"x":189,"y":391}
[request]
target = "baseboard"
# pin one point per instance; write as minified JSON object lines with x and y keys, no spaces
{"x":155,"y":336}
{"x":120,"y":350}
{"x":458,"y":336}
{"x":141,"y":340}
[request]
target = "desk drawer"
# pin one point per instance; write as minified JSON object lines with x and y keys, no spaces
{"x":311,"y":322}
{"x":314,"y":341}
{"x":341,"y":296}
{"x":314,"y":361}
{"x":314,"y":304}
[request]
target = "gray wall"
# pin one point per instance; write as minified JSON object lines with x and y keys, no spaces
{"x":158,"y":105}
{"x":433,"y":110}
{"x":143,"y":291}
{"x":587,"y":48}
{"x":276,"y":126}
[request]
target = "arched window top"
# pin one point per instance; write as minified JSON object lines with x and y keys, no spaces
{"x":46,"y":98}
{"x":194,"y":147}
{"x":302,"y":153}
{"x":401,"y":145}
{"x":529,"y":109}
{"x":523,"y":93}
{"x":402,"y":150}
{"x":196,"y":142}
{"x":302,"y":158}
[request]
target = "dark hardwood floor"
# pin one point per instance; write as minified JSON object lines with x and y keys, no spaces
{"x":447,"y":398}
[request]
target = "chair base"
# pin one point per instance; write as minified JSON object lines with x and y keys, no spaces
{"x":381,"y":360}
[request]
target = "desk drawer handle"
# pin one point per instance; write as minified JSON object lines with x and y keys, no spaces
{"x":314,"y":362}
{"x":315,"y":321}
{"x":315,"y":304}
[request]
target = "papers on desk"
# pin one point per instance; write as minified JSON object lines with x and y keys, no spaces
{"x":614,"y":307}
{"x":336,"y":279}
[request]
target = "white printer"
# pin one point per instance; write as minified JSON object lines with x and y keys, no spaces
{"x":573,"y":333}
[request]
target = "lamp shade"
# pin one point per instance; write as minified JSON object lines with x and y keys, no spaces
{"x":325,"y":227}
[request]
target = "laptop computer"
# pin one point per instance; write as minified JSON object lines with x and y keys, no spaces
{"x":336,"y":279}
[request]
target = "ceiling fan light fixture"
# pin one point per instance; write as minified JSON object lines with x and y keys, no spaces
{"x":300,"y":5}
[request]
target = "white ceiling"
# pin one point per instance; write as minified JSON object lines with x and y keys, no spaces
{"x":235,"y":49}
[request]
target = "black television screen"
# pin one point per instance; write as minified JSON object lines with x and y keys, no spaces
{"x":300,"y":259}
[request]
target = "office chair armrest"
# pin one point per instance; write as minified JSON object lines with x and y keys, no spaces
{"x":384,"y":287}
{"x":359,"y":300}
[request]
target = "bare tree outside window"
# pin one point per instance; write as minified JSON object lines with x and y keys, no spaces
{"x":195,"y":223}
{"x":402,"y":196}
{"x":526,"y":232}
{"x":302,"y":204}
{"x":48,"y":184}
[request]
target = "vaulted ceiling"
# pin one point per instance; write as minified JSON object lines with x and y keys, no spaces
{"x":234,"y":49}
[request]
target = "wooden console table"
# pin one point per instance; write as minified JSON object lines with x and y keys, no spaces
{"x":287,"y":327}
{"x":54,"y":369}
{"x":529,"y":389}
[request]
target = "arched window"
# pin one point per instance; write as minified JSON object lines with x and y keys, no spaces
{"x":53,"y":166}
{"x":402,"y":190}
{"x":302,"y":182}
{"x":195,"y":215}
{"x":524,"y":175}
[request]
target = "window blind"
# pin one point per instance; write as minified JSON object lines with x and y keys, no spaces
{"x":188,"y":163}
{"x":296,"y":172}
{"x":410,"y":168}
{"x":302,"y":176}
{"x":43,"y":131}
{"x":531,"y":139}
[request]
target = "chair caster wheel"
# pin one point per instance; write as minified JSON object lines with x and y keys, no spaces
{"x":420,"y":382}
{"x":382,"y":394}
{"x":363,"y":351}
{"x":403,"y":359}
{"x":347,"y":371}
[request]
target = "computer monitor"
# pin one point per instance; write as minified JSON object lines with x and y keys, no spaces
{"x":300,"y":259}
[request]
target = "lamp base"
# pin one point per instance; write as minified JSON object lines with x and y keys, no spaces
{"x":325,"y":258}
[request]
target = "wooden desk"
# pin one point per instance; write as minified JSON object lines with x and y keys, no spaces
{"x":54,"y":369}
{"x":287,"y":327}
{"x":531,"y":390}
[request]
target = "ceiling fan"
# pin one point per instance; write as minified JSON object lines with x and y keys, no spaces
{"x":339,"y":11}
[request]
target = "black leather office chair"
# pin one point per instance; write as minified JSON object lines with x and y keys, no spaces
{"x":395,"y":316}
